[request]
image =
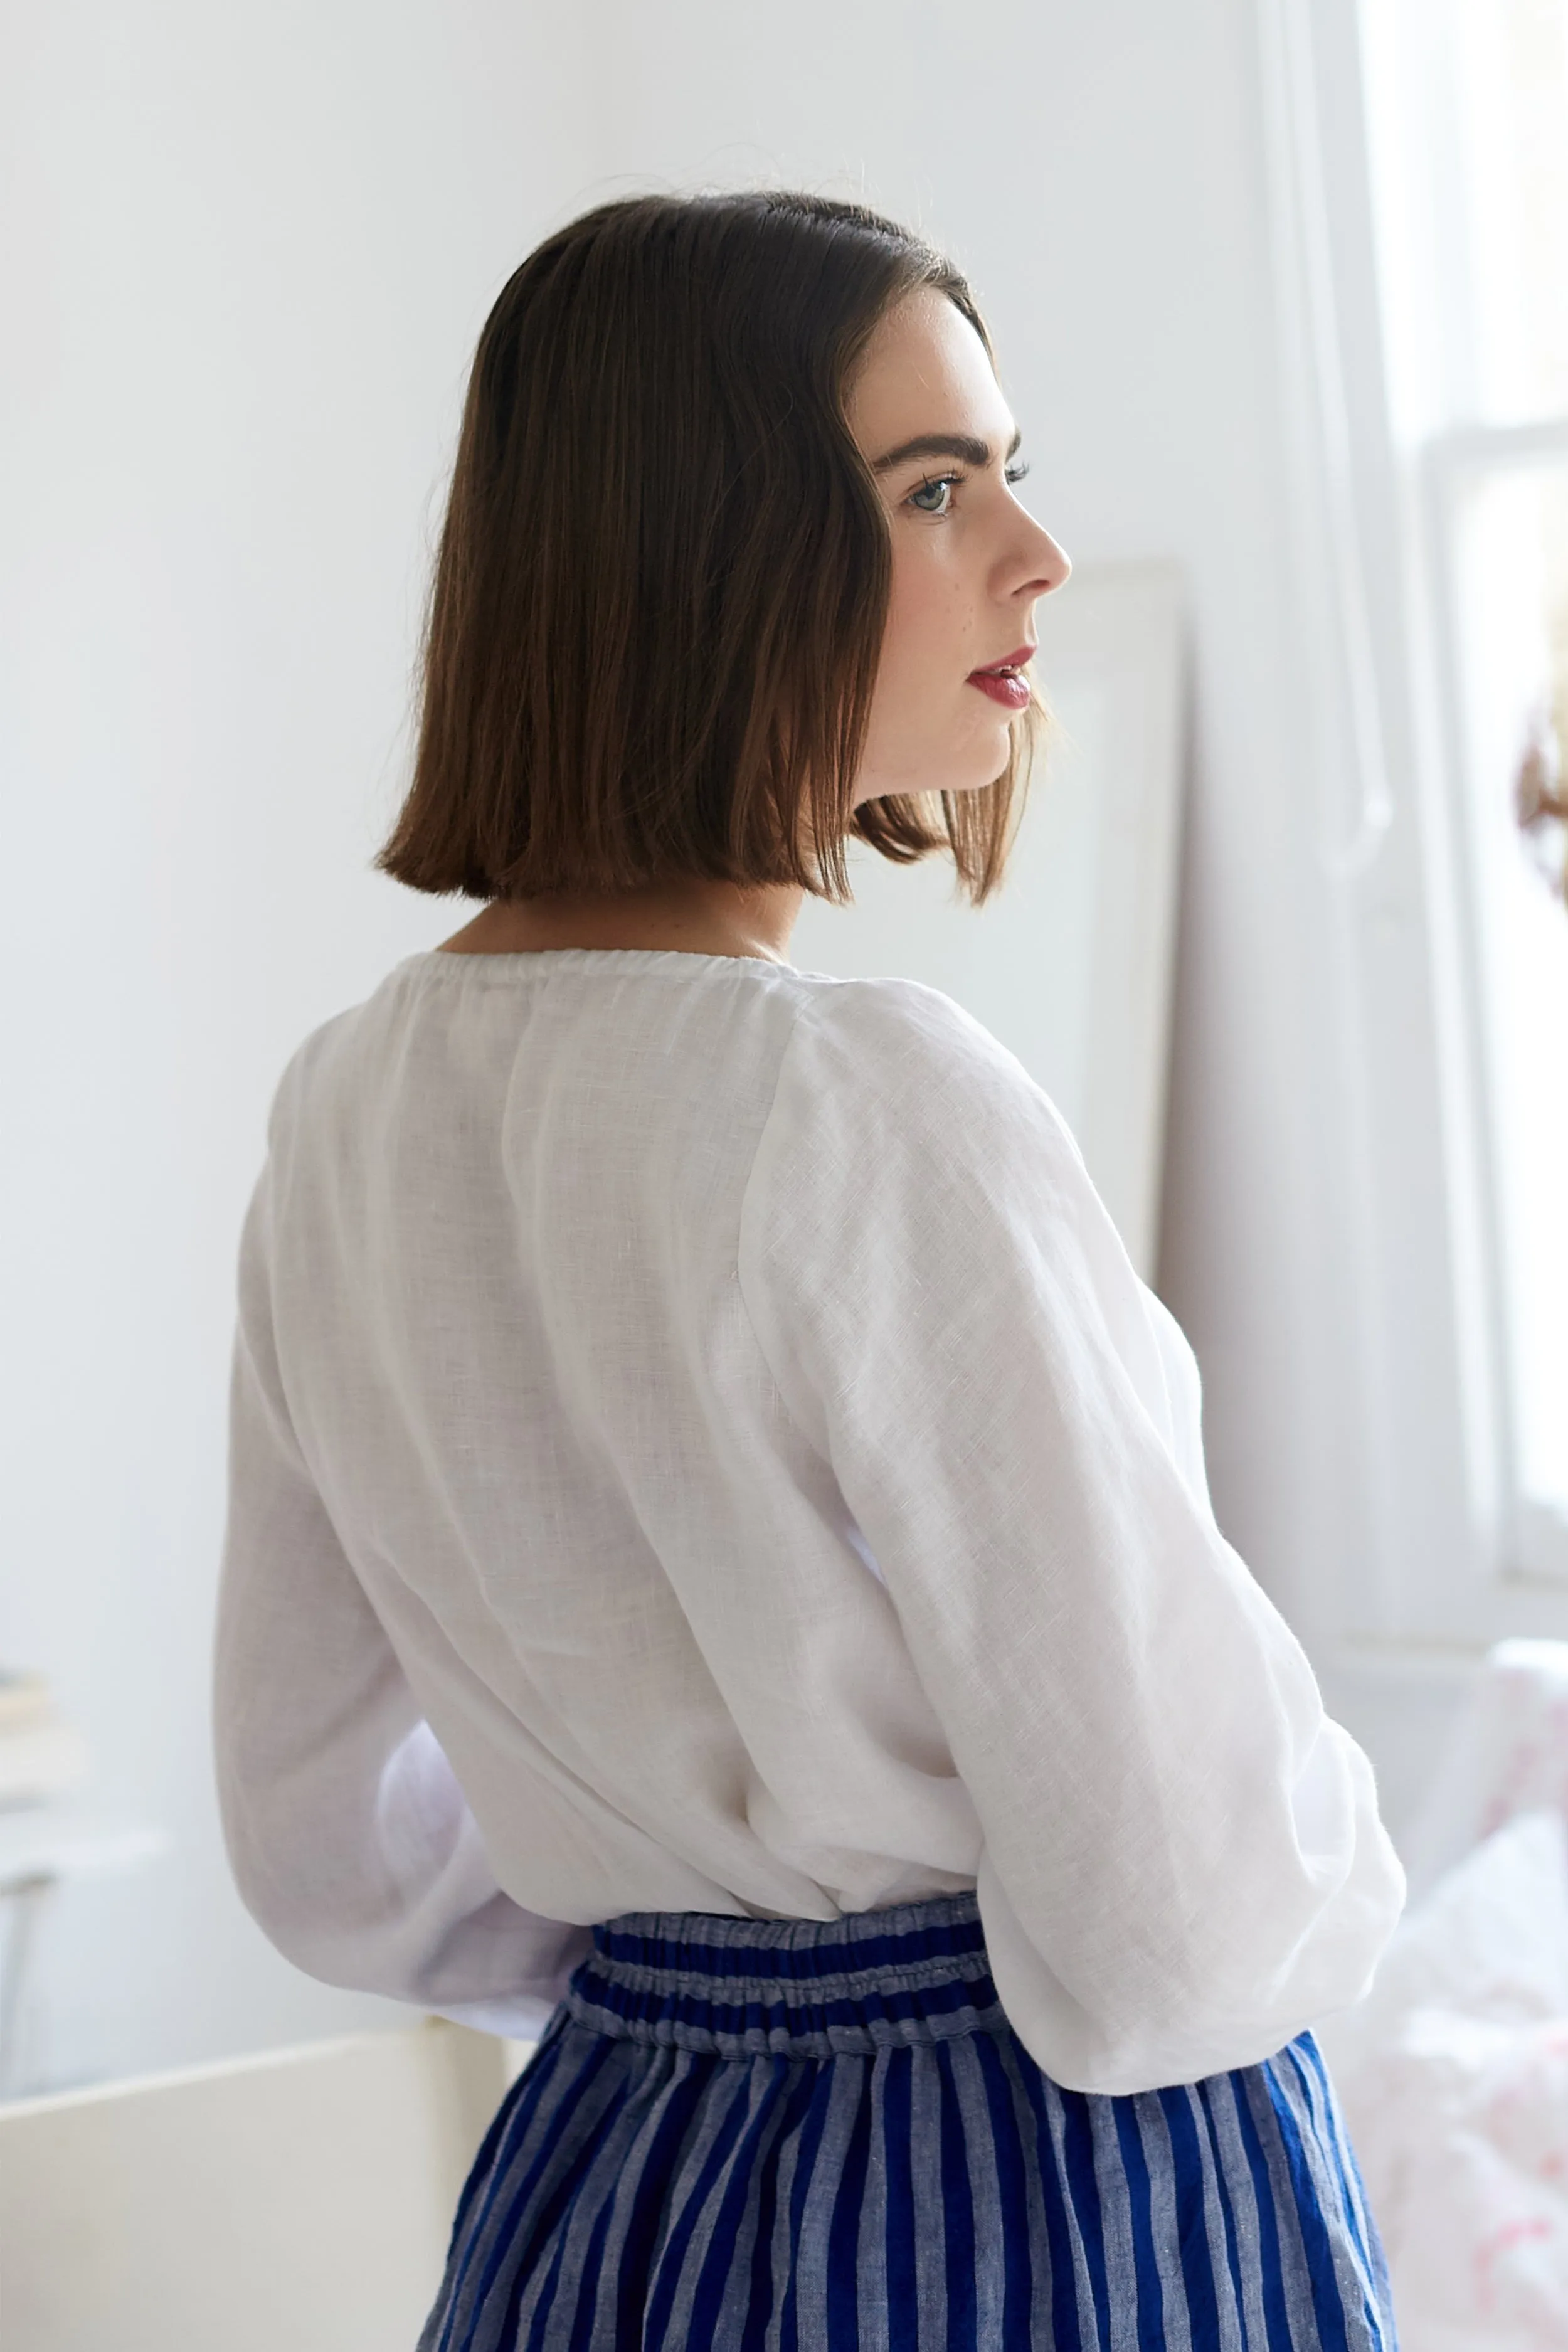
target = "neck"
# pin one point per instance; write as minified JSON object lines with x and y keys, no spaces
{"x":693,"y":917}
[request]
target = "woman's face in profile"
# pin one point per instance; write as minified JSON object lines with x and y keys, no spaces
{"x":968,"y":561}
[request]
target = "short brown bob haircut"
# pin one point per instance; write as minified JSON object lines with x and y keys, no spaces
{"x":662,"y":583}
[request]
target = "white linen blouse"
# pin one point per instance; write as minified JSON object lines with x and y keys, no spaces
{"x":699,"y":1443}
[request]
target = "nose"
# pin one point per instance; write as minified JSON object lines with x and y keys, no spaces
{"x":1032,"y":563}
{"x":1059,"y":562}
{"x":1046,"y":564}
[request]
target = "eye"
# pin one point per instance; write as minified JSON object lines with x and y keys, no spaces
{"x":1015,"y":472}
{"x":940,"y":491}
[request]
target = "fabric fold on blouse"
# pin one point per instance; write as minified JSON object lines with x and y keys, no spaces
{"x":697,"y":1442}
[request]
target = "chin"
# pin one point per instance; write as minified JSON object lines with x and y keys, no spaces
{"x":978,"y":769}
{"x":969,"y":766}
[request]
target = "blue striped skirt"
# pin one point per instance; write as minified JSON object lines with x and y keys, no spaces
{"x":797,"y":2135}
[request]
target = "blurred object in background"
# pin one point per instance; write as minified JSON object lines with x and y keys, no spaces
{"x":1509,"y":1755}
{"x":1506,"y":520}
{"x":1540,"y":801}
{"x":1453,"y":2076}
{"x":43,"y":1847}
{"x":42,"y":1755}
{"x":46,"y":1837}
{"x":1454,"y":2069}
{"x":300,"y":2200}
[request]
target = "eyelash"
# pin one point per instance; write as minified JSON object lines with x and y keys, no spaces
{"x":1010,"y":474}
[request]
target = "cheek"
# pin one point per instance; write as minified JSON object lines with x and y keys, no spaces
{"x":929,"y":729}
{"x":925,"y":635}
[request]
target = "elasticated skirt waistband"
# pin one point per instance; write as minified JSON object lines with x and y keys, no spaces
{"x":821,"y":2132}
{"x":790,"y":1988}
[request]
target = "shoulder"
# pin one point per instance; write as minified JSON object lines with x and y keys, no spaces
{"x":901,"y":1131}
{"x":912,"y":1174}
{"x":353,"y":1045}
{"x":320,"y":1076}
{"x":903,"y":1018}
{"x":903,"y":1061}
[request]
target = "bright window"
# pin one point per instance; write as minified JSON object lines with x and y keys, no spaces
{"x":1468,"y":107}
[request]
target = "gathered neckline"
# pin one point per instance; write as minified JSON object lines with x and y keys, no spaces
{"x":515,"y":960}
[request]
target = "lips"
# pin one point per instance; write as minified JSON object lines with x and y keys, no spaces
{"x":1004,"y":682}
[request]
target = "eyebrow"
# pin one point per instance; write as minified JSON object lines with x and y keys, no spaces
{"x":943,"y":444}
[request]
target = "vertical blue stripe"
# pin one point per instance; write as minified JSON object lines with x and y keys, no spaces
{"x":845,"y":2081}
{"x":1270,"y":2266}
{"x":1328,"y":2306}
{"x":809,"y":2143}
{"x":1164,"y":2211}
{"x":1195,"y":2249}
{"x":724,"y":2127}
{"x":1018,"y":2270}
{"x":762,"y":2297}
{"x":1151,"y":2292}
{"x":871,"y":2272}
{"x":524,"y":2090}
{"x":1239,"y":2201}
{"x":500,"y":2229}
{"x":584,"y":2314}
{"x":929,"y":2232}
{"x":1217,"y":2187}
{"x":1065,"y":2331}
{"x":554,"y":2227}
{"x":1337,"y":2139}
{"x":645,"y":2187}
{"x":730,"y":2249}
{"x":958,"y":2207}
{"x":979,"y":2143}
{"x":1081,"y":2178}
{"x":843,"y":2268}
{"x":898,"y":2156}
{"x":1361,"y":2249}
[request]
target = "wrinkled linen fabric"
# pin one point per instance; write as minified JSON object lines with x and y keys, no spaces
{"x":699,"y":1443}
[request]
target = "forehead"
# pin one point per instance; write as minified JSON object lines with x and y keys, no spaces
{"x":925,"y":370}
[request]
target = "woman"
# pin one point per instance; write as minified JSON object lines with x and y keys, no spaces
{"x":719,"y":1565}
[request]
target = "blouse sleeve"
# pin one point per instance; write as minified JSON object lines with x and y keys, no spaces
{"x":1183,"y":1862}
{"x":350,"y":1839}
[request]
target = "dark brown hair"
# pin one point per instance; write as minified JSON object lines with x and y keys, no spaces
{"x":662,"y":583}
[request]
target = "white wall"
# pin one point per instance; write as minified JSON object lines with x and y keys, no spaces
{"x":248,"y":251}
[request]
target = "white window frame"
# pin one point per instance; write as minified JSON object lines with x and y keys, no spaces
{"x":1452,"y":1563}
{"x":1532,"y":1541}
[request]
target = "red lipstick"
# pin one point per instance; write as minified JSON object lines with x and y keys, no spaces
{"x":1004,"y":681}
